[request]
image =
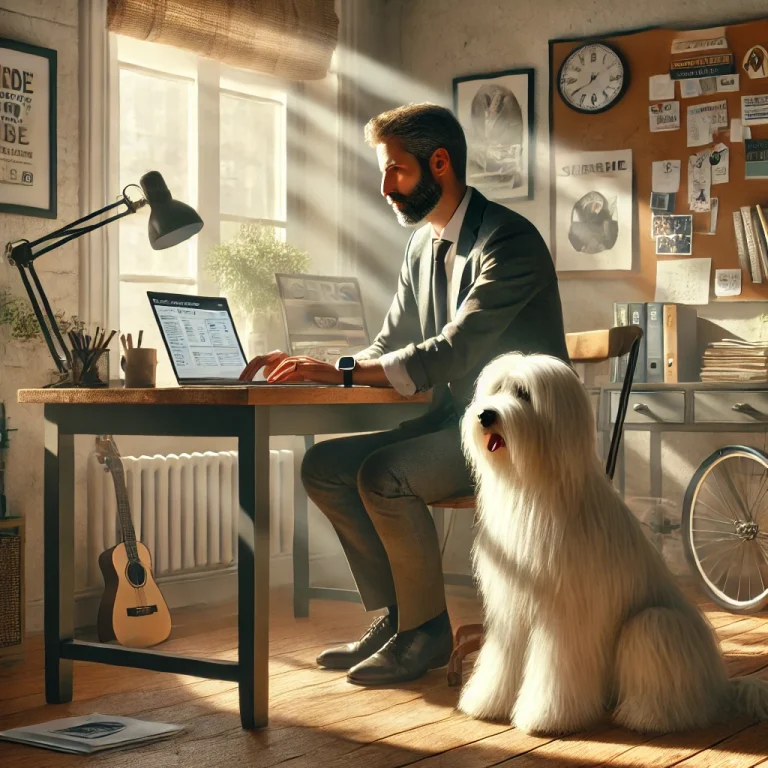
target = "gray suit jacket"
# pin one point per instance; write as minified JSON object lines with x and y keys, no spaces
{"x":508,"y":300}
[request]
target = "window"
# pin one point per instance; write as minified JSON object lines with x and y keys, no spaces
{"x":218,"y":137}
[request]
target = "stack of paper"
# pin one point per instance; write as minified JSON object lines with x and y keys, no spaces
{"x":90,"y":733}
{"x":735,"y":360}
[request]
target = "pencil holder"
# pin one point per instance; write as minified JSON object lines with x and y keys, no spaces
{"x":140,"y":367}
{"x":90,"y":367}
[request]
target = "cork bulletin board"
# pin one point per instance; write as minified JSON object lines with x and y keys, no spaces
{"x":625,"y":125}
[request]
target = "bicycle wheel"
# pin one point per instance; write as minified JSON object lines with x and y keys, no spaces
{"x":725,"y":527}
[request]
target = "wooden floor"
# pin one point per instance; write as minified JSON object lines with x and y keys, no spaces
{"x":318,"y":719}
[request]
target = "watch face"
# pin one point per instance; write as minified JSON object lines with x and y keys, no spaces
{"x":345,"y":363}
{"x":593,"y":78}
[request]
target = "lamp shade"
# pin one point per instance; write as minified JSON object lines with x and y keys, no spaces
{"x":170,"y":222}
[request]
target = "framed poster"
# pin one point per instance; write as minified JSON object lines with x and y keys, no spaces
{"x":496,"y":112}
{"x":27,"y":129}
{"x":323,"y":315}
{"x":593,"y":217}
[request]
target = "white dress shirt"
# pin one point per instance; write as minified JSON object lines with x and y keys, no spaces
{"x":393,"y":362}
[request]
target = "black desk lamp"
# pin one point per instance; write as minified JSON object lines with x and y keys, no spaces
{"x":170,"y":223}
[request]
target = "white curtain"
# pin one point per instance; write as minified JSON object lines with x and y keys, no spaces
{"x":99,"y":138}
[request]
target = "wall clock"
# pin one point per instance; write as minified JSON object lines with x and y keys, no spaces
{"x":592,"y":78}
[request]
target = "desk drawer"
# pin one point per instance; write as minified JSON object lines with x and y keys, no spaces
{"x":730,"y":407}
{"x":651,"y":407}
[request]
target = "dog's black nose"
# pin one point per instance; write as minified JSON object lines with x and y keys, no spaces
{"x":487,"y":418}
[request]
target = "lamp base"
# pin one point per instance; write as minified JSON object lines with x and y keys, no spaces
{"x":64,"y":381}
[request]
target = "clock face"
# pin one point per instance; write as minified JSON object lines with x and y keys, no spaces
{"x":593,"y":78}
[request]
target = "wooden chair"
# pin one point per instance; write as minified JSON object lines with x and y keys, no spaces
{"x":586,"y":347}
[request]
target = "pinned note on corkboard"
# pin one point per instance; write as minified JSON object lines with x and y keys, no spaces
{"x":617,"y":215}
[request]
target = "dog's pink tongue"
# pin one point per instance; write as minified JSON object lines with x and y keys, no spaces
{"x":495,"y":442}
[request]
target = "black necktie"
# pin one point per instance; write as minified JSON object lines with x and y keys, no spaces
{"x":440,"y":249}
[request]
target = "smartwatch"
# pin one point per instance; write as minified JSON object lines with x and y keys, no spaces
{"x":346,"y":364}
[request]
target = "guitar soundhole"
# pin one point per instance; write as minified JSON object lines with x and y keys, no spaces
{"x":136,"y":574}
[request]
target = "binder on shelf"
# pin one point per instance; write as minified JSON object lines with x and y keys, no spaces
{"x":619,"y":365}
{"x":654,"y":343}
{"x":681,"y":362}
{"x":638,"y":316}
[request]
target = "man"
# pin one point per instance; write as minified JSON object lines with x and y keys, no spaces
{"x":477,"y":281}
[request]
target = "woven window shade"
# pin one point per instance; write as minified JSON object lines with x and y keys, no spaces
{"x":292,"y":39}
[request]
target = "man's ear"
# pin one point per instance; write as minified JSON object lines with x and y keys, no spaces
{"x":440,"y":162}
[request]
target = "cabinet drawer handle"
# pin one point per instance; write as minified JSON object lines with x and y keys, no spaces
{"x":640,"y":408}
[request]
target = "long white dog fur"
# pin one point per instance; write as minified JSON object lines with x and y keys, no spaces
{"x":582,"y":616}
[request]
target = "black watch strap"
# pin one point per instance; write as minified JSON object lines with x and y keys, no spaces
{"x":347,"y":378}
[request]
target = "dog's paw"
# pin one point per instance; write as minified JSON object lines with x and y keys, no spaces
{"x":481,"y":705}
{"x":551,"y":723}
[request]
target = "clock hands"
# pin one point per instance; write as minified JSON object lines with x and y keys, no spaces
{"x":591,"y":80}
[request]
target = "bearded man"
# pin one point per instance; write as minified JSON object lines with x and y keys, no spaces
{"x":477,"y":281}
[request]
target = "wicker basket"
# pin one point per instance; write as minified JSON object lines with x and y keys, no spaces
{"x":11,"y":589}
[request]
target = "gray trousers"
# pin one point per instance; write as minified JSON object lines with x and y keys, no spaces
{"x":374,"y":489}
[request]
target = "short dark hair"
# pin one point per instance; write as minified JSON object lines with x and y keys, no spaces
{"x":422,"y":129}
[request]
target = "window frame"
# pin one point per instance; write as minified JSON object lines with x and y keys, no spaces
{"x":208,"y":79}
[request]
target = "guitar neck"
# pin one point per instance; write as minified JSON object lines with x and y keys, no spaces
{"x":124,"y":510}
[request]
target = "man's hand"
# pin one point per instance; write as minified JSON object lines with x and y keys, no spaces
{"x":269,"y":362}
{"x":301,"y":368}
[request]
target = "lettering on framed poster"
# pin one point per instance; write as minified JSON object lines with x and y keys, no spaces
{"x":593,"y":217}
{"x":27,"y":129}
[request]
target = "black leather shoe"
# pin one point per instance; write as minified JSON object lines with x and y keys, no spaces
{"x":346,"y":656}
{"x":407,"y":656}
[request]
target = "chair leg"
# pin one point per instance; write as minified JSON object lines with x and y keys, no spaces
{"x":469,"y":638}
{"x":300,"y":541}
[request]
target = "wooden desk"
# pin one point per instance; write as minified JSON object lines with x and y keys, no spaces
{"x":252,"y":415}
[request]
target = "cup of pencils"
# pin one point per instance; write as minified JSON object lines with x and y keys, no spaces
{"x":90,"y":358}
{"x":139,"y":363}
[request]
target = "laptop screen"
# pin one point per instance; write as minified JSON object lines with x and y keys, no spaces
{"x":199,"y":335}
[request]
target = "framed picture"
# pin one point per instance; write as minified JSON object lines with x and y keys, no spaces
{"x":323,"y":315}
{"x":496,"y":112}
{"x":27,"y":129}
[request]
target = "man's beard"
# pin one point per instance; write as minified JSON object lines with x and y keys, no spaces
{"x":420,"y":203}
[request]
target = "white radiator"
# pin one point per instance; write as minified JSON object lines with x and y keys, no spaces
{"x":184,"y":509}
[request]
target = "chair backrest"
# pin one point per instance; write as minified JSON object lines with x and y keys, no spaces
{"x":597,"y":346}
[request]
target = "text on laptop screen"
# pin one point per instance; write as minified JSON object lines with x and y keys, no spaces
{"x":200,"y":337}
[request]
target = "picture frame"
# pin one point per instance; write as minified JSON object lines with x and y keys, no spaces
{"x":496,"y":111}
{"x":323,"y":315}
{"x":28,"y":161}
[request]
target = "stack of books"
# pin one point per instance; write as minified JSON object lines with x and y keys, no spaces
{"x":751,"y":227}
{"x":668,"y":348}
{"x":735,"y":360}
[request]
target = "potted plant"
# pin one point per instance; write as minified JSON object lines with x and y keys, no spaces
{"x":17,"y":313}
{"x":244,"y":269}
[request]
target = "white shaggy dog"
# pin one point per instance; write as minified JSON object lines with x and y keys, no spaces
{"x":582,"y":617}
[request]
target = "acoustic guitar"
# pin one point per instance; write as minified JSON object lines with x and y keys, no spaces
{"x":132,"y":609}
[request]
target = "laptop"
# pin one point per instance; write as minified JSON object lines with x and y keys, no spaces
{"x":202,"y":343}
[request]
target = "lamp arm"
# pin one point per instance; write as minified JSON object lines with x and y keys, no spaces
{"x":73,"y":234}
{"x":21,"y":255}
{"x":61,"y":363}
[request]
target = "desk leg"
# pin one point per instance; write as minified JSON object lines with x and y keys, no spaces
{"x":253,"y":568}
{"x":301,"y":541}
{"x":58,"y":559}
